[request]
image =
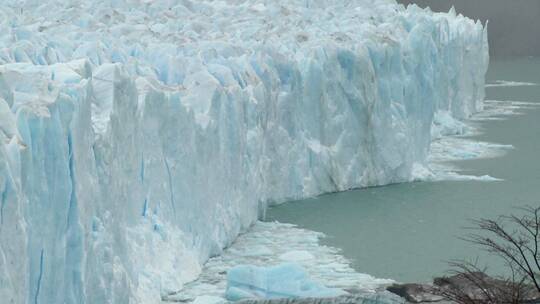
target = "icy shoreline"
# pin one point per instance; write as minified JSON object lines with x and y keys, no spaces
{"x":272,"y":243}
{"x":457,"y":144}
{"x":139,"y":139}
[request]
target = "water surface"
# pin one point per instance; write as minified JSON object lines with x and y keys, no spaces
{"x":408,"y":231}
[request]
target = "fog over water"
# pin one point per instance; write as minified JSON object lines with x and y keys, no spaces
{"x":514,"y":25}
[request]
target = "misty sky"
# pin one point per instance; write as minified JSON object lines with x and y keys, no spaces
{"x":514,"y":25}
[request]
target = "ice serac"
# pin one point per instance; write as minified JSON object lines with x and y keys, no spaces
{"x":139,"y":138}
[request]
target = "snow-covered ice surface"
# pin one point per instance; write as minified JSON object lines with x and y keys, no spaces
{"x":139,"y":138}
{"x":272,"y":243}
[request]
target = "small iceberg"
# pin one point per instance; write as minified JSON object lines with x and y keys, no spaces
{"x":288,"y":280}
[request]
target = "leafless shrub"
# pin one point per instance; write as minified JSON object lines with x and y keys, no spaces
{"x":513,"y":238}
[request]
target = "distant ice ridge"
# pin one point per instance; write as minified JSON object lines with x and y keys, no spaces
{"x":139,"y":138}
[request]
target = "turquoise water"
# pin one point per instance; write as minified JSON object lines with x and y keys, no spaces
{"x":407,"y":232}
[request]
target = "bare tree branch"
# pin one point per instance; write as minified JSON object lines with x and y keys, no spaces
{"x":515,"y":239}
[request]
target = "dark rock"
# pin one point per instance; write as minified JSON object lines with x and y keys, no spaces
{"x":477,"y":285}
{"x":464,"y":284}
{"x":415,"y":293}
{"x":460,"y":280}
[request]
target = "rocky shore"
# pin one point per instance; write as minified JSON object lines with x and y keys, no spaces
{"x":471,"y":288}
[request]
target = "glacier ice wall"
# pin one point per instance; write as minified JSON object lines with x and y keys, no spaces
{"x":139,"y":138}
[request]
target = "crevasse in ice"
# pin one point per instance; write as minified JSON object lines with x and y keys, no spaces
{"x":138,"y":138}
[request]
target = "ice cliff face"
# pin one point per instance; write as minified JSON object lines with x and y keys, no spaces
{"x":138,"y":138}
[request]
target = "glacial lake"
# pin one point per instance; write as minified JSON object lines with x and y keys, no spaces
{"x":409,"y":231}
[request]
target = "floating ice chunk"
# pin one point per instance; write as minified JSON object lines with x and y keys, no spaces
{"x":282,"y":281}
{"x":506,"y":83}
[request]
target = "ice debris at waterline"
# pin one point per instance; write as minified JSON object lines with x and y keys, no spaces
{"x":450,"y":142}
{"x":139,"y":138}
{"x":288,"y":280}
{"x":502,"y":109}
{"x":272,"y":243}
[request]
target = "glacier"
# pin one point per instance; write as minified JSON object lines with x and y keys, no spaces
{"x":138,"y":138}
